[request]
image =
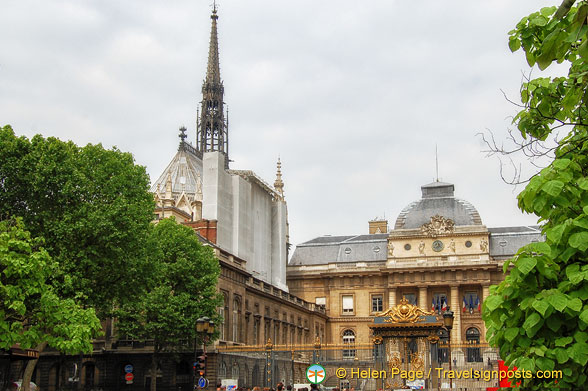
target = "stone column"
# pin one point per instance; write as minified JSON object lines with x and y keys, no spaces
{"x":485,"y":294}
{"x":391,"y":297}
{"x":456,"y":331}
{"x":423,"y":299}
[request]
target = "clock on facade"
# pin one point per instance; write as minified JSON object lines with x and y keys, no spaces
{"x":437,"y":245}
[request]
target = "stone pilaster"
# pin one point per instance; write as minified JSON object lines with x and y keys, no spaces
{"x":423,"y":302}
{"x":456,"y":331}
{"x":391,"y":297}
{"x":485,"y":294}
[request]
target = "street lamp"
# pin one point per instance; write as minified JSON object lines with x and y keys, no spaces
{"x":448,"y":323}
{"x":204,"y":328}
{"x":269,"y":361}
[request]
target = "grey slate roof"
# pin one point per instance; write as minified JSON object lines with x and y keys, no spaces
{"x":505,"y":241}
{"x":437,"y":199}
{"x":341,"y":249}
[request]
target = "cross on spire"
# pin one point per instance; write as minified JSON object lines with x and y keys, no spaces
{"x":182,"y":134}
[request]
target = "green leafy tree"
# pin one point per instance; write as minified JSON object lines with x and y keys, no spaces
{"x":91,"y":206}
{"x":31,"y":313}
{"x":538,"y":316}
{"x":182,"y":290}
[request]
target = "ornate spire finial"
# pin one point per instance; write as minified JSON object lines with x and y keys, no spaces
{"x":279,"y":184}
{"x":182,"y":134}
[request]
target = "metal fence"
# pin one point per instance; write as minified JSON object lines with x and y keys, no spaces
{"x":355,"y":367}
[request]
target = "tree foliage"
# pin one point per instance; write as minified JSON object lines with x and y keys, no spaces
{"x":90,"y":205}
{"x":182,"y":290}
{"x":30,"y":310}
{"x":538,"y":316}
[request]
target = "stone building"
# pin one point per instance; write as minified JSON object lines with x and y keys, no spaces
{"x":438,"y":254}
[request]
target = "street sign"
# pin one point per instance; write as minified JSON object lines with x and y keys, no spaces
{"x":129,"y":377}
{"x":202,"y":382}
{"x":128,"y":368}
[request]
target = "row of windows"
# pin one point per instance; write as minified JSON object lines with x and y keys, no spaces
{"x":247,"y":329}
{"x":471,"y":302}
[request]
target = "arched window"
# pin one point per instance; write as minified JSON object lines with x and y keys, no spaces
{"x":235,"y":371}
{"x":89,"y":369}
{"x":236,"y":317}
{"x":222,"y":311}
{"x":442,"y":347}
{"x":473,"y":338}
{"x":222,"y":370}
{"x":349,"y":340}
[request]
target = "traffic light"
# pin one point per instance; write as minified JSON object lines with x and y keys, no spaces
{"x":201,"y":366}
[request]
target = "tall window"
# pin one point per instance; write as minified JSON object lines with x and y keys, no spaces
{"x":236,"y":317}
{"x":347,"y":304}
{"x":411,"y":298}
{"x":473,"y":338}
{"x":377,"y":303}
{"x":222,"y":311}
{"x":349,"y":342}
{"x":440,"y":302}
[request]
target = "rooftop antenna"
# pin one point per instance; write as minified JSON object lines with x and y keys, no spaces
{"x":214,"y":6}
{"x":436,"y":164}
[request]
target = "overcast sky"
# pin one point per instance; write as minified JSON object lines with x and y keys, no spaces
{"x":353,"y":96}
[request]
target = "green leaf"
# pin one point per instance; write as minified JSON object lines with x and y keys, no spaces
{"x":553,"y":187}
{"x":511,"y":333}
{"x":514,"y":44}
{"x":583,"y":184}
{"x":532,"y":320}
{"x":584,"y":316}
{"x":575,"y":304}
{"x":525,"y":265}
{"x":540,"y":306}
{"x":579,"y":240}
{"x":492,"y":302}
{"x":558,"y":300}
{"x":561,"y":355}
{"x":563,"y":341}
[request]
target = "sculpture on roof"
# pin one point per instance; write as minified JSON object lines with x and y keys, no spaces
{"x":438,"y":225}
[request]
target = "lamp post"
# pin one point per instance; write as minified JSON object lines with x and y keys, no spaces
{"x":204,"y":328}
{"x":268,"y":366}
{"x":448,"y":323}
{"x":317,"y":351}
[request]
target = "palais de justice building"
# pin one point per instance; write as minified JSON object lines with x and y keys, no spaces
{"x":438,"y":254}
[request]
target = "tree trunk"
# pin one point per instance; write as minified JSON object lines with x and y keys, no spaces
{"x":154,"y":372}
{"x":30,"y":368}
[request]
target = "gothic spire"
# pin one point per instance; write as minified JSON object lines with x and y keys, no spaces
{"x":279,"y":184}
{"x":213,"y":70}
{"x":211,"y":125}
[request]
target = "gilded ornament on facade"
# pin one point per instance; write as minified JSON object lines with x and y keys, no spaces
{"x":377,"y":340}
{"x":438,"y":225}
{"x":433,"y":339}
{"x":404,"y":312}
{"x":394,"y":361}
{"x":417,"y":363}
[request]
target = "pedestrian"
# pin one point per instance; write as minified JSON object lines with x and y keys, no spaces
{"x":280,"y":386}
